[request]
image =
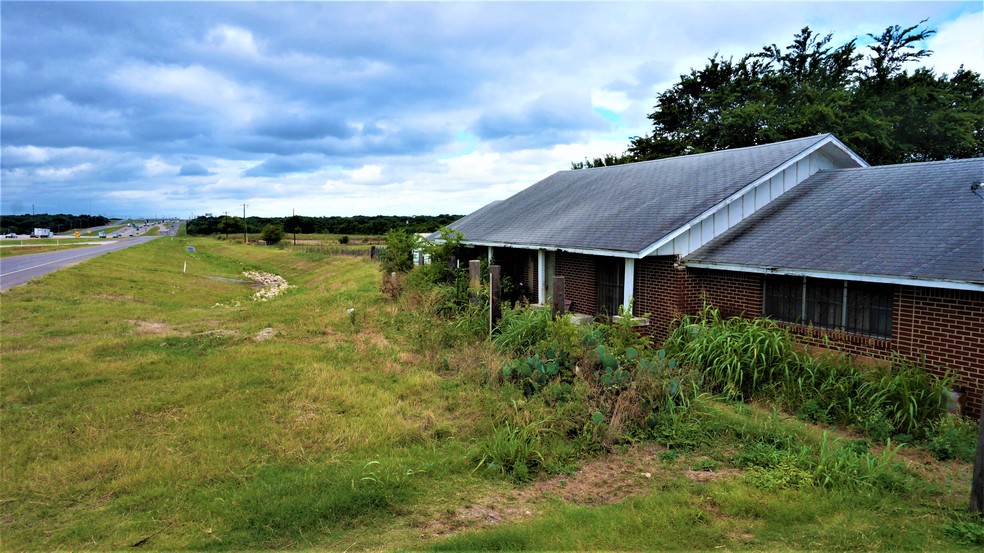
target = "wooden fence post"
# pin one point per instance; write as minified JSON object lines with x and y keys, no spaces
{"x":495,"y":296}
{"x":558,"y":305}
{"x":474,"y":280}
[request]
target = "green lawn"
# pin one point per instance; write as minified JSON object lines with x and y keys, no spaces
{"x":141,"y":409}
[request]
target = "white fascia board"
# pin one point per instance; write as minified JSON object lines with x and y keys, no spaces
{"x":880,"y":279}
{"x":830,"y":139}
{"x":604,"y":253}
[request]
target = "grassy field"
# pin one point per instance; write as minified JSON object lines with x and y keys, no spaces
{"x":162,"y":409}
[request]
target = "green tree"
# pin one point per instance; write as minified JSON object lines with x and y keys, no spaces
{"x":294,"y":224}
{"x":871,"y":102}
{"x":397,"y":257}
{"x":272,"y":234}
{"x":227,"y":225}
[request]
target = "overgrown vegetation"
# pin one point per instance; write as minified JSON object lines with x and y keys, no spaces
{"x":175,"y":413}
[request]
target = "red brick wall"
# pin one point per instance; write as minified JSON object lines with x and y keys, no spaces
{"x":733,"y":293}
{"x":947,"y":327}
{"x":580,"y":281}
{"x":660,"y":291}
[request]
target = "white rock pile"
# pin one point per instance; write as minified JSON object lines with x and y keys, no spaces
{"x":272,"y":284}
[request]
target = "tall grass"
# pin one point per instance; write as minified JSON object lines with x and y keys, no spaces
{"x":738,"y":356}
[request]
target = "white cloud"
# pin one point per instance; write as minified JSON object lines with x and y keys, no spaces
{"x":957,"y":42}
{"x":193,"y":84}
{"x":233,"y":40}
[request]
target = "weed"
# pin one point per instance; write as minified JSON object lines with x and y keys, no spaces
{"x":952,"y":437}
{"x":515,"y":451}
{"x":965,"y":531}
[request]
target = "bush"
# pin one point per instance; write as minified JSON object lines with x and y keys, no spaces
{"x":272,"y":234}
{"x":343,"y":240}
{"x":953,"y":437}
{"x":397,"y":255}
{"x":522,"y":329}
{"x":736,"y":355}
{"x":909,"y":395}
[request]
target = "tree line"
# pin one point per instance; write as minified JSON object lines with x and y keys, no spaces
{"x":24,"y":224}
{"x":868,"y":99}
{"x":356,"y":225}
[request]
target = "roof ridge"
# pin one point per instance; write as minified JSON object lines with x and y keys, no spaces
{"x":818,"y":137}
{"x":908,"y":164}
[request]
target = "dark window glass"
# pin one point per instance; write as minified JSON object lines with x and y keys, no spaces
{"x":824,"y":303}
{"x":611,"y":282}
{"x":869,"y":309}
{"x":784,"y":298}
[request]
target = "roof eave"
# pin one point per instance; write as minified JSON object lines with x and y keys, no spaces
{"x":835,"y":275}
{"x":553,"y":248}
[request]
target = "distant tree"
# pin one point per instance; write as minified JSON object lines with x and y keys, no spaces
{"x":272,"y":234}
{"x":872,"y":103}
{"x":294,"y":224}
{"x":227,"y":225}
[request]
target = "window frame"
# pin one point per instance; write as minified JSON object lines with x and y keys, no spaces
{"x":852,"y":307}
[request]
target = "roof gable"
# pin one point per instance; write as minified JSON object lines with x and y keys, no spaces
{"x":912,"y":221}
{"x":628,"y":208}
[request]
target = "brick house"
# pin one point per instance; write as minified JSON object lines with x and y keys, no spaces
{"x":866,"y":260}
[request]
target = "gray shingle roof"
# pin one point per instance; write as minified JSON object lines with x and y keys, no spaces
{"x":916,"y":220}
{"x":624,"y":208}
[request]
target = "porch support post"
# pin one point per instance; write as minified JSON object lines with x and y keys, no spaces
{"x":628,"y":287}
{"x":490,"y":254}
{"x":541,"y":279}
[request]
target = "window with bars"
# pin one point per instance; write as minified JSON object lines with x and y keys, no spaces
{"x":856,"y":307}
{"x":611,"y":285}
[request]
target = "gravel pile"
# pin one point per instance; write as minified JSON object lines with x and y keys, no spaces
{"x":272,"y":284}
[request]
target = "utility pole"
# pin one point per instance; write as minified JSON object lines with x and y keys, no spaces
{"x":245,"y":226}
{"x":293,"y":223}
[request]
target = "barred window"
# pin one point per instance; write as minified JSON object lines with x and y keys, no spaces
{"x":611,"y":284}
{"x":856,"y":307}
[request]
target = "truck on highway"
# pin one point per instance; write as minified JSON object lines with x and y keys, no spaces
{"x":41,"y":233}
{"x":102,"y":234}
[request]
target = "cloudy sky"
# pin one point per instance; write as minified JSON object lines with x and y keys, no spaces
{"x":144,"y":109}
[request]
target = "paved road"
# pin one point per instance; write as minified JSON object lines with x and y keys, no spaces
{"x":18,"y":269}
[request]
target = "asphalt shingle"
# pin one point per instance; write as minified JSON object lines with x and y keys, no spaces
{"x":624,"y":208}
{"x":917,"y":220}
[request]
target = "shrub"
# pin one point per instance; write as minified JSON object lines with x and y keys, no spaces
{"x":343,"y":240}
{"x":397,"y":255}
{"x":517,"y":451}
{"x":909,"y":395}
{"x":272,"y":234}
{"x":737,"y":355}
{"x":952,"y":437}
{"x":824,"y":389}
{"x":521,"y":329}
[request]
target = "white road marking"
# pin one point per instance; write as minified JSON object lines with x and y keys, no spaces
{"x":43,"y":264}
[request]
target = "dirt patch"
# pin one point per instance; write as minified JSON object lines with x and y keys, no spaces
{"x":154,"y":328}
{"x":120,"y":297}
{"x":605,"y":480}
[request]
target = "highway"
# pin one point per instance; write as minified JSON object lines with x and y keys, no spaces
{"x":18,"y":269}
